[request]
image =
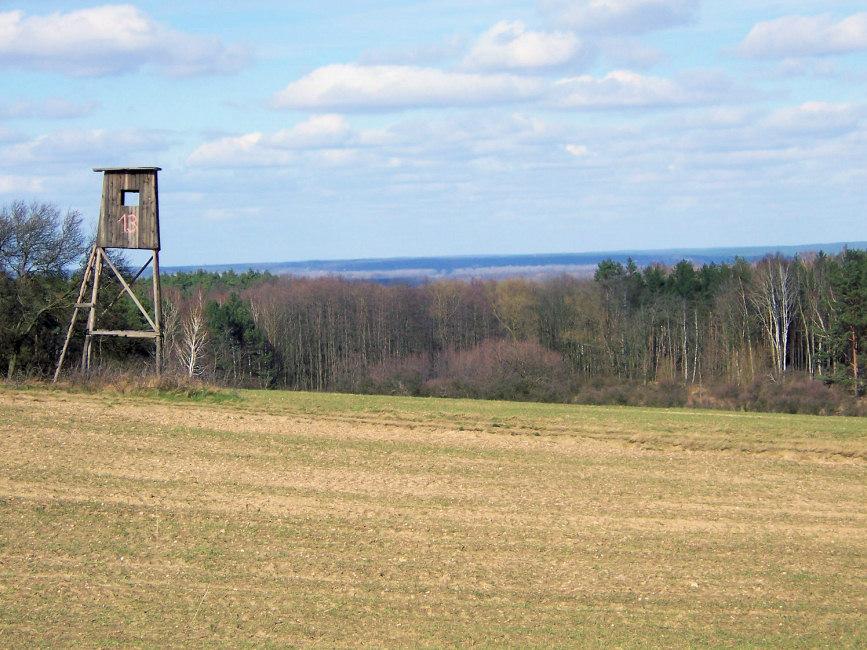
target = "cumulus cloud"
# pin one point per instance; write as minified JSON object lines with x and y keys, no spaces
{"x":383,"y":88}
{"x":510,"y":46}
{"x":326,"y":134}
{"x":266,"y":150}
{"x":428,"y":165}
{"x":817,"y":118}
{"x":318,"y":132}
{"x":470,"y":136}
{"x":242,"y":150}
{"x":626,"y":89}
{"x":621,"y":16}
{"x":803,"y":36}
{"x":328,"y":140}
{"x":386,"y":87}
{"x":813,"y":67}
{"x":109,"y":39}
{"x":123,"y":146}
{"x":52,"y":108}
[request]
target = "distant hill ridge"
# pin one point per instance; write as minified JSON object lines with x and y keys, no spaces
{"x":420,"y":269}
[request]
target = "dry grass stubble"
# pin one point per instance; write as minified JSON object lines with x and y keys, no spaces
{"x":344,"y":521}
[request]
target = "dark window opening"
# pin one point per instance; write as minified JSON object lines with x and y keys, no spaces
{"x":130,"y":198}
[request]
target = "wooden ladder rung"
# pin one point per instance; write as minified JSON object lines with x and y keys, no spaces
{"x":84,"y":305}
{"x":132,"y":334}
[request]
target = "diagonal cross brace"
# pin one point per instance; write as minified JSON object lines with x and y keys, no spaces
{"x":130,"y":292}
{"x":132,"y":280}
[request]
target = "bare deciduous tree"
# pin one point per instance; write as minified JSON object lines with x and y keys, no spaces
{"x":194,"y":338}
{"x":774,"y":298}
{"x":37,"y":238}
{"x":37,"y":244}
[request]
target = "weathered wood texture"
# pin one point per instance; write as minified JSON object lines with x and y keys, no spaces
{"x":158,"y":312}
{"x":91,"y":260}
{"x":130,"y":334}
{"x":123,"y":226}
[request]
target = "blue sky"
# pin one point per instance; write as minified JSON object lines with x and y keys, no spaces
{"x":299,"y":130}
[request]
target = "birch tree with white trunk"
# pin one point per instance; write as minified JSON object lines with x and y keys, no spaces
{"x":193,"y":339}
{"x":774,"y":298}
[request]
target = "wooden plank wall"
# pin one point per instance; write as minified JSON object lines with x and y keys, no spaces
{"x":127,"y":226}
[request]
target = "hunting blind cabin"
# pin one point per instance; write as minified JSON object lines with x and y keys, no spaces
{"x":129,"y":218}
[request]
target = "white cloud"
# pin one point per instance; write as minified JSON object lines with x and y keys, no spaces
{"x":817,"y":118}
{"x":109,"y":39}
{"x":319,"y":131}
{"x":577,"y":150}
{"x":370,"y":88}
{"x":800,"y":36}
{"x":509,"y":46}
{"x":242,"y":151}
{"x":384,"y":87}
{"x":426,"y":141}
{"x":716,"y":118}
{"x":20,"y":184}
{"x":621,"y":16}
{"x":814,"y":67}
{"x":329,"y":141}
{"x":52,"y":108}
{"x":125,"y":146}
{"x":433,"y":167}
{"x":220,"y":215}
{"x":717,"y":152}
{"x":325,"y":134}
{"x":626,"y":89}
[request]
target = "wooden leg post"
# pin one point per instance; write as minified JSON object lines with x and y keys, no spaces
{"x":93,"y":270}
{"x":86,"y":356}
{"x":78,"y":305}
{"x":158,"y":312}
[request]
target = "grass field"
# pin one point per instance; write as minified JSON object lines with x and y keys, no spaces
{"x":292,"y":518}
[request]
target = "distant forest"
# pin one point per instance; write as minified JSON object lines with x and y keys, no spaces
{"x":780,"y":334}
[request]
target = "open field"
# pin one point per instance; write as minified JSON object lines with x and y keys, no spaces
{"x":292,"y":518}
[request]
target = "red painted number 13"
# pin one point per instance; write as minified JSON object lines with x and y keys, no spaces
{"x":128,"y":223}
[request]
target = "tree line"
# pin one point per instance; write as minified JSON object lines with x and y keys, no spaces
{"x":645,"y":335}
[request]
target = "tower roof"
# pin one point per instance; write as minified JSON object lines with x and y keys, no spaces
{"x":127,"y":169}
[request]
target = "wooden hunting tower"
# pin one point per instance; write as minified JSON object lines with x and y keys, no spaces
{"x":129,"y":217}
{"x":130,"y":213}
